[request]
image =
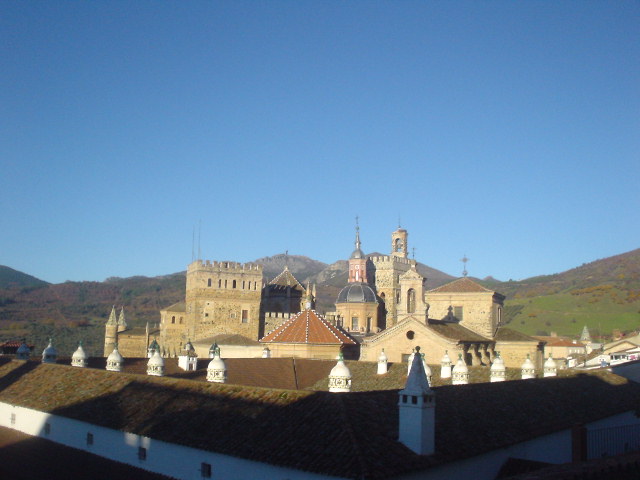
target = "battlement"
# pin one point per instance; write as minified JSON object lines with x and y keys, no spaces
{"x":280,"y":315}
{"x":389,"y":259}
{"x":232,"y":267}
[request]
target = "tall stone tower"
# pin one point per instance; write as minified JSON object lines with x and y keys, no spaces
{"x":223,"y":297}
{"x":111,"y":333}
{"x":387,"y":272}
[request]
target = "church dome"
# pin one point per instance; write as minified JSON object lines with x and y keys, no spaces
{"x":357,"y":292}
{"x":115,"y":356}
{"x":156,"y":360}
{"x":357,"y":254}
{"x":49,"y":354}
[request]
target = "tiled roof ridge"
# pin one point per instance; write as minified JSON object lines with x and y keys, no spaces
{"x":282,"y":328}
{"x":284,"y":273}
{"x":310,"y":315}
{"x":459,"y":281}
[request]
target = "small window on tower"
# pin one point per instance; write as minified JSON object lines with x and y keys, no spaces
{"x":209,"y":283}
{"x":234,"y":284}
{"x":245,"y":316}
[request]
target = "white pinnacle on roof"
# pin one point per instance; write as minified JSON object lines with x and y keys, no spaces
{"x":383,"y":363}
{"x":460,"y":373}
{"x":340,"y":377}
{"x":266,"y":353}
{"x":155,"y":365}
{"x":528,"y":369}
{"x":427,"y":368}
{"x":410,"y":361}
{"x":79,"y":357}
{"x":550,"y":367}
{"x":416,"y":423}
{"x":445,"y":365}
{"x":417,"y":383}
{"x":585,"y":336}
{"x":115,"y":360}
{"x":498,"y":370}
{"x":216,"y":370}
{"x":49,"y":354}
{"x":23,"y":351}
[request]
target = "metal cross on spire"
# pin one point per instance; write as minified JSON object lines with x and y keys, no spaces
{"x":464,"y":261}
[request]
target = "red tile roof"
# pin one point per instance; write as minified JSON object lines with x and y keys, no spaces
{"x":461,"y":285}
{"x":286,"y":279}
{"x":308,"y":327}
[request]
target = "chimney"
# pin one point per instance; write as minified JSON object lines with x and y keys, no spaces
{"x":417,"y":403}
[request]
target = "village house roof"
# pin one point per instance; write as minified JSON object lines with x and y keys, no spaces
{"x":292,"y":429}
{"x":308,"y":327}
{"x":461,"y":285}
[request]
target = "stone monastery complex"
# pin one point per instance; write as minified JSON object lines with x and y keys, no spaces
{"x":428,"y":392}
{"x":384,"y":306}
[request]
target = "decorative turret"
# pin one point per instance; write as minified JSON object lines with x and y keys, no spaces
{"x":498,"y":370}
{"x":309,"y":298}
{"x":417,"y":402}
{"x":49,"y":354}
{"x":212,"y":349}
{"x":153,"y":347}
{"x":115,"y":361}
{"x":23,"y":352}
{"x":188,"y":360}
{"x":155,"y":365}
{"x":427,"y":369}
{"x":383,"y":363}
{"x":357,"y":261}
{"x":528,"y":369}
{"x":445,"y":365}
{"x":217,"y":370}
{"x":79,"y":357}
{"x":110,"y":332}
{"x":340,"y":377}
{"x":460,"y":373}
{"x":266,"y":353}
{"x":550,"y":367}
{"x":122,"y":323}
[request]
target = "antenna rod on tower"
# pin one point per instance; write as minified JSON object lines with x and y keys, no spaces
{"x":199,"y":232}
{"x":464,"y":261}
{"x":193,"y":243}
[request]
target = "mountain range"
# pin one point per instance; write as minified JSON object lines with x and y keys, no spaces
{"x":604,"y":294}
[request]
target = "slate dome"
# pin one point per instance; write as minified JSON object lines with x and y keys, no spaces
{"x":357,"y":292}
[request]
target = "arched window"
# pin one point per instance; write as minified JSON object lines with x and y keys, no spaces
{"x":209,"y":283}
{"x":234,"y":284}
{"x":411,"y":301}
{"x":354,"y":323}
{"x":398,"y":245}
{"x":243,"y":284}
{"x":173,"y":319}
{"x":225,"y":284}
{"x":220,"y":283}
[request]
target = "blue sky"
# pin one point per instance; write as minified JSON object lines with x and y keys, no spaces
{"x":506,"y":131}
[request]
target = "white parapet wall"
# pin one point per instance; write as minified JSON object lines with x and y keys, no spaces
{"x":140,"y":451}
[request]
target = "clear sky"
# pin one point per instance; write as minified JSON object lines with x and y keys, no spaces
{"x":506,"y":131}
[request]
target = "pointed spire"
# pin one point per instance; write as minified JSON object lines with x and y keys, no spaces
{"x":417,"y":383}
{"x":357,"y":253}
{"x":585,"y":336}
{"x":122,"y":322}
{"x":112,"y":317}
